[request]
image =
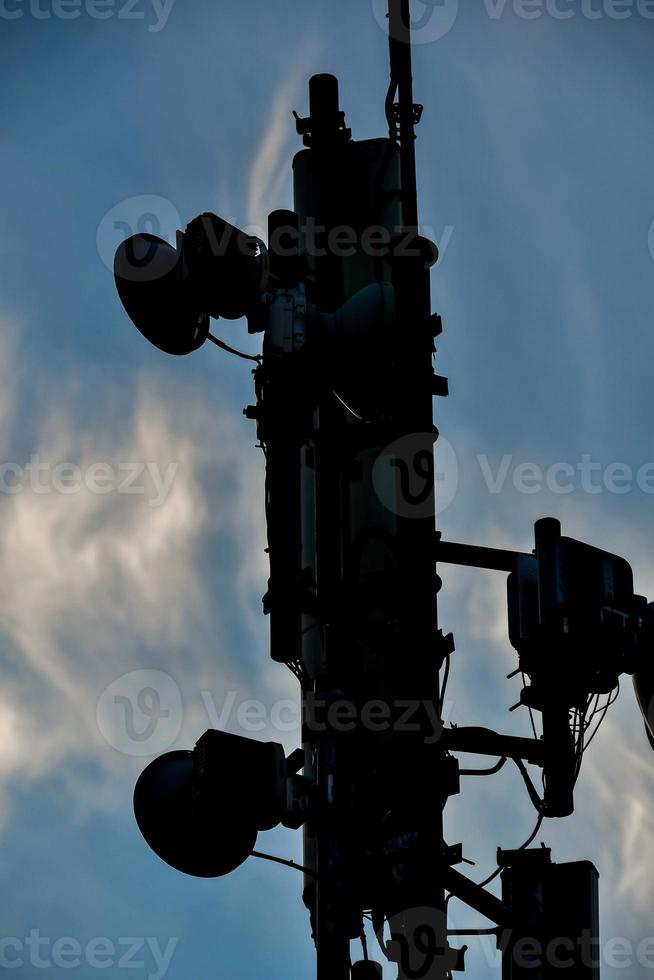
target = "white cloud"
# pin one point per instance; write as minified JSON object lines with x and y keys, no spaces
{"x":95,"y":585}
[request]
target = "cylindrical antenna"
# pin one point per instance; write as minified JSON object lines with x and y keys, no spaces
{"x":327,"y":119}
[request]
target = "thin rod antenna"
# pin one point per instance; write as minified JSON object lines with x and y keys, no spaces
{"x":284,"y":861}
{"x":399,"y":35}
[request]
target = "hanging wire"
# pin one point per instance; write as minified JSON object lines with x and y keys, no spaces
{"x":232,"y":350}
{"x":523,"y":847}
{"x":446,"y":677}
{"x":389,"y":106}
{"x":531,"y":712}
{"x":487,"y":881}
{"x":531,"y":789}
{"x":364,"y":941}
{"x":602,"y":712}
{"x":583,"y":721}
{"x":348,"y":408}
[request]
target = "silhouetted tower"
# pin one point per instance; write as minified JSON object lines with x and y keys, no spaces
{"x":344,"y":412}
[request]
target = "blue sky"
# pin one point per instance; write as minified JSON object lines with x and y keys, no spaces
{"x":535,"y":156}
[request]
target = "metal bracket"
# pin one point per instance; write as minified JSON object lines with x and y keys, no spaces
{"x":417,"y":112}
{"x":287,"y":316}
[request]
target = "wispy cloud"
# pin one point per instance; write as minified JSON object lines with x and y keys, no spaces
{"x":270,"y":176}
{"x":93,"y":585}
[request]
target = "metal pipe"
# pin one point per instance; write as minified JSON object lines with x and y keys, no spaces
{"x":477,"y":898}
{"x":401,"y":72}
{"x":452,"y":553}
{"x":483,"y":741}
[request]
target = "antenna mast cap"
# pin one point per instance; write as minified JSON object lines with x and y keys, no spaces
{"x":326,"y":121}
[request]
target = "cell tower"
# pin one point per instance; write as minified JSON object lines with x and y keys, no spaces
{"x":344,"y":391}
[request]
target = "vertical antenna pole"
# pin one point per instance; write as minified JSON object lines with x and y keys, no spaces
{"x":422,"y":909}
{"x":402,"y":83}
